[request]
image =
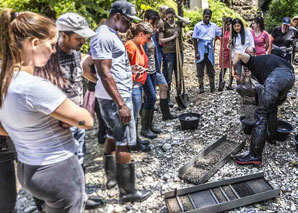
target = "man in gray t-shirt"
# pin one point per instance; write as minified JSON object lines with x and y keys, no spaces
{"x":113,"y":91}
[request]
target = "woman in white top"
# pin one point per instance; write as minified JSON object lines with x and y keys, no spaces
{"x":241,"y":39}
{"x":32,"y":110}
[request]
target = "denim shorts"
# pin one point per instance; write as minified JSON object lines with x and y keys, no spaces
{"x":125,"y":135}
{"x":160,"y":79}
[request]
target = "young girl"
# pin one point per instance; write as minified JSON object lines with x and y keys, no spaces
{"x":31,"y":112}
{"x":139,"y":35}
{"x":241,"y":39}
{"x":260,"y":35}
{"x":224,"y":65}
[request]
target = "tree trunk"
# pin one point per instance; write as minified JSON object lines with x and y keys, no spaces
{"x":180,"y":7}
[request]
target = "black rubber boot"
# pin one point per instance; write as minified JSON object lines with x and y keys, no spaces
{"x":164,"y":108}
{"x":170,"y":102}
{"x":139,"y":141}
{"x":153,"y":129}
{"x":146,"y":126}
{"x":212,"y":84}
{"x":125,"y":175}
{"x":141,"y":148}
{"x":110,"y":170}
{"x":258,"y":139}
{"x":201,"y":85}
{"x":272,"y":126}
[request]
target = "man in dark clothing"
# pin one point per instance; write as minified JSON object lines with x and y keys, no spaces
{"x":275,"y":77}
{"x":281,"y":40}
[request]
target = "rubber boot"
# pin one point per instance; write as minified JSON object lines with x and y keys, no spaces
{"x":94,"y":202}
{"x":146,"y":128}
{"x":139,"y":141}
{"x":201,"y":85}
{"x":258,"y":139}
{"x":170,"y":102}
{"x":109,"y":165}
{"x":230,"y":87}
{"x":125,"y":176}
{"x":141,"y":145}
{"x":272,"y":126}
{"x":153,"y":129}
{"x":164,"y":108}
{"x":212,"y":84}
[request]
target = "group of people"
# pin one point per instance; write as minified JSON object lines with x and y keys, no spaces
{"x":42,"y":117}
{"x":234,"y":38}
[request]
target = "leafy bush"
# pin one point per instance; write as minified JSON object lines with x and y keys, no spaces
{"x":278,"y":10}
{"x":219,"y":10}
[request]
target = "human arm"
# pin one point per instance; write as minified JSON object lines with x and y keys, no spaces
{"x":110,"y":86}
{"x":271,"y":39}
{"x":87,"y":62}
{"x":251,"y":39}
{"x":70,"y":113}
{"x":162,"y":39}
{"x":2,"y":130}
{"x":197,"y":56}
{"x":185,"y":21}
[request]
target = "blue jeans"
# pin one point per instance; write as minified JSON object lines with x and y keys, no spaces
{"x":137,"y":99}
{"x":149,"y":89}
{"x":159,"y":56}
{"x":170,"y":65}
{"x":79,"y":137}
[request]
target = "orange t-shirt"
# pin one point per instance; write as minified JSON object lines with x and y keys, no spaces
{"x":139,"y":57}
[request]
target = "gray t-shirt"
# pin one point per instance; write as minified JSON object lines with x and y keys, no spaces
{"x":107,"y":45}
{"x":38,"y":137}
{"x":72,"y":71}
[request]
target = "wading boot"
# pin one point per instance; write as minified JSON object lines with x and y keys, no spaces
{"x":125,"y":175}
{"x":166,"y":114}
{"x":110,"y":170}
{"x":140,"y":141}
{"x":146,"y":126}
{"x":153,"y":129}
{"x":212,"y":84}
{"x":201,"y":85}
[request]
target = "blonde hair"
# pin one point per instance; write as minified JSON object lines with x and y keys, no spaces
{"x":15,"y":28}
{"x":135,"y":29}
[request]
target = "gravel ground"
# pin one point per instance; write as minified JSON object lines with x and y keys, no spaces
{"x":158,"y":170}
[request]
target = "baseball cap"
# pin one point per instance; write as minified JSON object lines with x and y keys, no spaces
{"x":125,"y":8}
{"x":75,"y":23}
{"x":286,"y":20}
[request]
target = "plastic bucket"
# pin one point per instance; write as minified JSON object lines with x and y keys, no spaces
{"x":283,"y":130}
{"x":189,"y":121}
{"x":247,"y":126}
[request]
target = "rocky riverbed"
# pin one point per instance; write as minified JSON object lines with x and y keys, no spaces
{"x":157,"y":170}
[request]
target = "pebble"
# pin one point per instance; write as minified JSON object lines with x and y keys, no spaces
{"x":166,"y":147}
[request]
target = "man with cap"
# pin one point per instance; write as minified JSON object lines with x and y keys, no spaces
{"x":113,"y":92}
{"x":281,"y":40}
{"x":73,"y":32}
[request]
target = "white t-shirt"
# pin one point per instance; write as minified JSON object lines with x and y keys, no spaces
{"x":38,"y":137}
{"x":107,"y":45}
{"x":239,"y":47}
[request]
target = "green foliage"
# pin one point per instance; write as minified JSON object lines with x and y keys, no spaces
{"x":219,"y":10}
{"x":279,"y":9}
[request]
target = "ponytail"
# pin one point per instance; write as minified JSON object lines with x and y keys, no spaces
{"x":8,"y":49}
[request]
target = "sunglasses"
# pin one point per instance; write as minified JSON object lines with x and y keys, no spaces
{"x":128,"y":20}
